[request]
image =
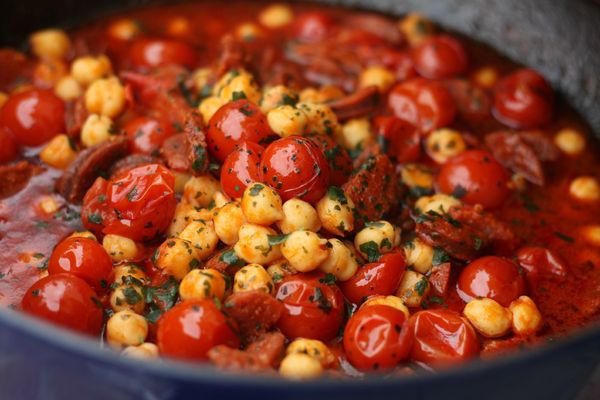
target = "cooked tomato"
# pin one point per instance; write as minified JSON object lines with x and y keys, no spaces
{"x":441,"y":56}
{"x":473,"y":104}
{"x":65,"y":300}
{"x":402,"y":141}
{"x":159,"y":52}
{"x":340,"y":163}
{"x":314,"y":309}
{"x":33,"y":116}
{"x":442,"y":337}
{"x":476,"y":178}
{"x":377,"y":338}
{"x":313,"y":26}
{"x":8,"y":146}
{"x":146,"y":135}
{"x":497,"y":278}
{"x":82,"y":257}
{"x":295,"y":167}
{"x":541,"y":263}
{"x":240,"y":168}
{"x":191,"y":328}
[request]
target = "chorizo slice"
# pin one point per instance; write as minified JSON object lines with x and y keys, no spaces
{"x":440,"y":278}
{"x":376,"y":25}
{"x":75,"y":115}
{"x":175,"y":153}
{"x":261,"y":355}
{"x":131,"y":161}
{"x":15,"y":177}
{"x":232,"y":56}
{"x":360,"y":103}
{"x":255,"y":312}
{"x":196,"y":144}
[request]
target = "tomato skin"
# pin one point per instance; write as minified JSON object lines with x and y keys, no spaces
{"x":377,"y":278}
{"x":295,"y":167}
{"x":33,"y":116}
{"x":483,"y":178}
{"x":82,"y":257}
{"x":313,"y":26}
{"x":340,"y":163}
{"x":377,"y":337}
{"x":497,"y":278}
{"x":234,"y":123}
{"x":8,"y":146}
{"x":442,"y":337}
{"x":305,"y":318}
{"x":146,"y":135}
{"x":439,"y":57}
{"x":160,"y":52}
{"x":191,"y":328}
{"x":541,"y":263}
{"x":66,"y":300}
{"x":240,"y":168}
{"x":403,"y":140}
{"x":523,"y":100}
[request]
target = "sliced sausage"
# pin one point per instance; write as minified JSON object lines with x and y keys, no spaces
{"x":254,"y":311}
{"x":196,"y":144}
{"x":131,"y":161}
{"x":360,"y":103}
{"x":440,"y":278}
{"x":15,"y":177}
{"x":175,"y":152}
{"x":261,"y":355}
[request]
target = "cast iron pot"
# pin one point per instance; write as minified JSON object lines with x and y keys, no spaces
{"x":561,"y":38}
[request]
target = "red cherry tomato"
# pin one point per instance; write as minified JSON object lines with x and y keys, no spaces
{"x":159,"y":52}
{"x":84,"y":258}
{"x":442,"y":337}
{"x":497,"y":278}
{"x":377,"y":337}
{"x":313,"y":26}
{"x":440,"y":57}
{"x":138,"y":204}
{"x":340,"y":163}
{"x":190,"y":329}
{"x":240,"y":168}
{"x":33,"y":116}
{"x":425,"y":104}
{"x":541,"y":263}
{"x":473,"y":103}
{"x":313,"y":309}
{"x":523,"y":100}
{"x":295,"y":167}
{"x":402,"y":140}
{"x":477,"y":174}
{"x":146,"y":135}
{"x":66,"y":300}
{"x":234,"y":123}
{"x":8,"y":147}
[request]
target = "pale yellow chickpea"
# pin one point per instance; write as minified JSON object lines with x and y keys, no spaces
{"x":219,"y":200}
{"x":119,"y":248}
{"x":416,"y":28}
{"x":335,"y":211}
{"x":48,"y":205}
{"x":59,"y":152}
{"x":201,"y":234}
{"x":242,"y":85}
{"x":305,"y":250}
{"x":391,"y":301}
{"x":486,"y":77}
{"x":181,"y":179}
{"x":184,"y":214}
{"x":253,"y":277}
{"x":261,"y":204}
{"x":378,"y":76}
{"x":143,"y":351}
{"x":85,"y":234}
{"x":176,"y":257}
{"x":280,"y":269}
{"x":200,"y":190}
{"x":416,"y":175}
{"x":202,"y":284}
{"x":275,"y":96}
{"x":50,"y":43}
{"x":202,"y":78}
{"x":124,"y":29}
{"x":96,"y":129}
{"x":68,"y":88}
{"x":127,"y":297}
{"x":591,"y":234}
{"x":419,"y":255}
{"x":299,"y":366}
{"x":228,"y":221}
{"x":128,"y":273}
{"x":585,"y":189}
{"x":439,"y":203}
{"x":276,"y":16}
{"x":126,"y":328}
{"x":87,"y":69}
{"x":356,"y":133}
{"x":105,"y":97}
{"x":377,"y":236}
{"x":322,"y":95}
{"x":287,"y":121}
{"x":340,"y":262}
{"x":488,"y":317}
{"x":49,"y":71}
{"x":443,"y":144}
{"x":570,"y":141}
{"x":320,"y":119}
{"x":253,"y":245}
{"x":413,"y":288}
{"x":209,"y":106}
{"x":248,"y":31}
{"x":298,"y":215}
{"x":314,"y":348}
{"x":526,"y":318}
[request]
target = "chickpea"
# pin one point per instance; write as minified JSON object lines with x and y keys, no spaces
{"x":340,"y":262}
{"x":143,"y":351}
{"x":119,"y":248}
{"x":128,"y":297}
{"x":248,"y":31}
{"x":129,"y":273}
{"x":88,"y":69}
{"x":305,"y":250}
{"x":335,"y":211}
{"x":526,"y":318}
{"x":261,"y":205}
{"x":439,"y":203}
{"x":59,"y":152}
{"x":416,"y":28}
{"x":124,"y":29}
{"x":200,"y":190}
{"x":276,"y":16}
{"x":356,"y":134}
{"x":85,"y":234}
{"x":287,"y":121}
{"x":203,"y":237}
{"x":241,"y":85}
{"x":299,"y":366}
{"x":276,"y":96}
{"x":298,"y":215}
{"x":48,"y":72}
{"x":252,"y":277}
{"x":176,"y":257}
{"x":416,"y":176}
{"x":219,"y":199}
{"x":486,"y":77}
{"x":181,"y":217}
{"x":570,"y":141}
{"x":376,"y":76}
{"x":585,"y":189}
{"x":443,"y":144}
{"x":413,"y":288}
{"x":280,"y":269}
{"x":228,"y":221}
{"x":209,"y":106}
{"x":202,"y":284}
{"x":50,"y":43}
{"x":48,"y":205}
{"x":253,"y":245}
{"x":419,"y":255}
{"x":96,"y":129}
{"x":392,"y":301}
{"x":591,"y":234}
{"x":314,"y":348}
{"x":325,"y":94}
{"x":126,"y":328}
{"x":181,"y":179}
{"x":105,"y":97}
{"x":68,"y":88}
{"x":381,"y":235}
{"x":179,"y":26}
{"x":488,"y":317}
{"x":321,"y":119}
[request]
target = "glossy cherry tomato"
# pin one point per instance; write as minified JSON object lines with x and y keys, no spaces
{"x":425,"y":104}
{"x":234,"y":123}
{"x":313,"y":308}
{"x":497,"y":278}
{"x":138,"y":204}
{"x":66,"y":300}
{"x":523,"y":100}
{"x":377,"y":278}
{"x":377,"y":337}
{"x":191,"y":328}
{"x":541,"y":263}
{"x":340,"y":163}
{"x":402,"y":141}
{"x":442,"y":337}
{"x":313,"y":26}
{"x":473,"y":103}
{"x":33,"y":116}
{"x":84,"y":258}
{"x":477,"y":176}
{"x":146,"y":135}
{"x":240,"y":168}
{"x":440,"y":57}
{"x":295,"y":167}
{"x":159,"y":52}
{"x":8,"y":147}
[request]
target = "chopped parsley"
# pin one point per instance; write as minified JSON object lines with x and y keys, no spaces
{"x":95,"y":218}
{"x":371,"y":249}
{"x":564,"y":237}
{"x":439,"y":256}
{"x":255,"y":189}
{"x":337,"y":194}
{"x":329,"y":279}
{"x":230,"y":258}
{"x":274,"y":240}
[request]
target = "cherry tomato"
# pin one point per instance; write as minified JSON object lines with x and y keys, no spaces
{"x":138,"y":204}
{"x":478,"y":176}
{"x":377,"y":278}
{"x":541,"y":263}
{"x":340,"y":163}
{"x":473,"y":103}
{"x":159,"y":52}
{"x":66,"y":300}
{"x":497,"y":278}
{"x":84,"y":258}
{"x":295,"y":167}
{"x":240,"y":168}
{"x":377,"y":337}
{"x":8,"y":147}
{"x":313,"y":308}
{"x":234,"y":123}
{"x":191,"y":328}
{"x":146,"y":135}
{"x":442,"y":337}
{"x":440,"y":57}
{"x":425,"y":104}
{"x":402,"y":140}
{"x":313,"y":26}
{"x":523,"y":100}
{"x":33,"y":116}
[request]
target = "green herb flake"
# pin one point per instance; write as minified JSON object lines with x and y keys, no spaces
{"x":230,"y":258}
{"x":371,"y":250}
{"x":439,"y":256}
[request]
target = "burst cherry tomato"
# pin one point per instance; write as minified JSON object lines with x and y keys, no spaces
{"x":377,"y":337}
{"x":340,"y":163}
{"x":313,"y":308}
{"x":497,"y":278}
{"x":8,"y":147}
{"x":146,"y":135}
{"x":425,"y":104}
{"x":66,"y":300}
{"x":523,"y":100}
{"x":159,"y":52}
{"x":137,"y":204}
{"x":84,"y":258}
{"x":541,"y":263}
{"x":234,"y":123}
{"x":402,"y":140}
{"x":440,"y":57}
{"x":190,"y":329}
{"x":478,"y":177}
{"x":313,"y":26}
{"x":295,"y":167}
{"x":442,"y":337}
{"x":33,"y":116}
{"x":240,"y":168}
